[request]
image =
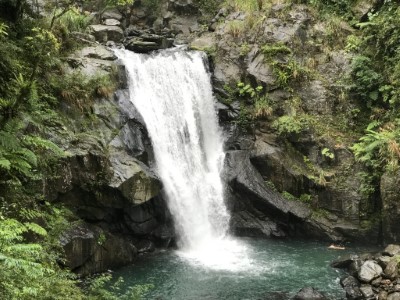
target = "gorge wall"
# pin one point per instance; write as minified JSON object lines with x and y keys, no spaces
{"x":280,"y":79}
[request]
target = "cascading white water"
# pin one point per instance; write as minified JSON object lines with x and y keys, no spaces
{"x":172,"y":92}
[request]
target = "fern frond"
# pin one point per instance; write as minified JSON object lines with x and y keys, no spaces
{"x":5,"y":164}
{"x":27,"y":155}
{"x":36,"y":228}
{"x":8,"y":141}
{"x":40,"y":143}
{"x":21,"y":166}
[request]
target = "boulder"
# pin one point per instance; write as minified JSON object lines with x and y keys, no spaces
{"x":344,"y":262}
{"x":104,"y":33}
{"x":92,"y":61}
{"x":352,"y":288}
{"x":384,"y":260}
{"x":184,"y":24}
{"x":147,"y":42}
{"x":89,"y":249}
{"x":361,"y":8}
{"x":369,"y":271}
{"x":367,"y":292}
{"x":261,"y":70}
{"x":392,"y":269}
{"x":134,"y":180}
{"x":391,"y":250}
{"x":112,"y":14}
{"x":394,"y":296}
{"x":111,"y":22}
{"x":97,"y":52}
{"x":309,"y":293}
{"x":206,"y":42}
{"x":79,"y":244}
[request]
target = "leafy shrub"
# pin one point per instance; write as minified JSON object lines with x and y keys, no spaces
{"x":262,"y":107}
{"x":26,"y":270}
{"x":287,"y":125}
{"x":80,"y":90}
{"x":271,"y":50}
{"x":366,"y":79}
{"x":379,"y":148}
{"x":102,"y":288}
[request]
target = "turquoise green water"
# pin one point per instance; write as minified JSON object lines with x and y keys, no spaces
{"x":278,"y":267}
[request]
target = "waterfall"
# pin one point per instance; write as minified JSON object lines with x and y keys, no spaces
{"x":172,"y":92}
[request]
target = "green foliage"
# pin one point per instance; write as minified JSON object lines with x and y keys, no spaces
{"x":288,"y":196}
{"x":3,"y":29}
{"x":25,"y":269}
{"x":327,"y":153}
{"x":272,"y":50}
{"x":244,"y":49}
{"x":305,"y":198}
{"x":284,"y":65}
{"x":248,"y":90}
{"x":79,"y":90}
{"x":74,"y":20}
{"x":287,"y":125}
{"x":247,"y":6}
{"x":366,"y":80}
{"x":329,"y":7}
{"x":41,"y":44}
{"x":208,"y":6}
{"x":379,"y":148}
{"x":262,"y":107}
{"x":101,"y":288}
{"x":271,"y":186}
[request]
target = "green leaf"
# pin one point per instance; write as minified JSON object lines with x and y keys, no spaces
{"x":5,"y":164}
{"x":36,"y":228}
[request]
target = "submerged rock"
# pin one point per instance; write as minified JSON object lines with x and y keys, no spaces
{"x":309,"y":293}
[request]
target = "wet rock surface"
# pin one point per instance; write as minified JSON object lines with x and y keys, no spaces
{"x":373,"y":275}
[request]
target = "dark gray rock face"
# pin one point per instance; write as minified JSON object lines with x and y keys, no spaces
{"x":390,"y":193}
{"x":146,"y":40}
{"x":89,"y":249}
{"x":309,"y":293}
{"x":259,"y":211}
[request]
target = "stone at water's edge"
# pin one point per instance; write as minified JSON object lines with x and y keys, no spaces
{"x":352,"y":287}
{"x":369,"y":270}
{"x":89,"y":250}
{"x":392,"y":250}
{"x":370,"y":282}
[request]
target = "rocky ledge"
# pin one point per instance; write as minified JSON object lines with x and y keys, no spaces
{"x":371,"y":275}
